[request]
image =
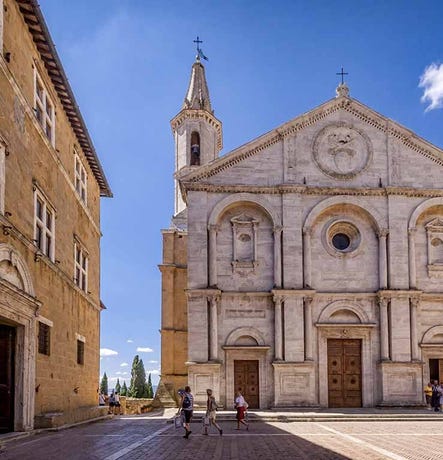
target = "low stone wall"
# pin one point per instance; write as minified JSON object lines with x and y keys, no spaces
{"x":58,"y":419}
{"x":133,"y":406}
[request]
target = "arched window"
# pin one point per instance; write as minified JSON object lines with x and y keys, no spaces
{"x":195,"y":149}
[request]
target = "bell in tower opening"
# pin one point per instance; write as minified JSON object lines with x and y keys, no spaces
{"x":195,"y":149}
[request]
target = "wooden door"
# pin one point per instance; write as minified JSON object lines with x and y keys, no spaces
{"x":7,"y":347}
{"x":344,"y":373}
{"x":246,"y":379}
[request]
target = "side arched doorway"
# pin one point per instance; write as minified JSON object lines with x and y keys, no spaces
{"x":18,"y":311}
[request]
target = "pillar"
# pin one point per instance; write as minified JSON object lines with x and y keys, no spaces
{"x":412,"y":262}
{"x":383,"y":258}
{"x":384,"y":332}
{"x":308,"y":329}
{"x":277,"y":256}
{"x":212,"y":254}
{"x":307,"y":232}
{"x":213,"y":329}
{"x":413,"y":305}
{"x":278,"y":328}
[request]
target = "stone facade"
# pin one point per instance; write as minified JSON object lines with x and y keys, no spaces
{"x":50,"y":187}
{"x":325,"y":232}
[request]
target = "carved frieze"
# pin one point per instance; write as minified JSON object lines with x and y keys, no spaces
{"x":342,"y":151}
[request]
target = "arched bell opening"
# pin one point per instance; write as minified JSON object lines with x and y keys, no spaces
{"x":195,"y":149}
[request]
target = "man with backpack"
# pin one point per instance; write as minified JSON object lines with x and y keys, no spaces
{"x":187,"y":406}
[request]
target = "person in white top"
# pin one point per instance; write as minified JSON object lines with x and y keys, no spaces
{"x":241,"y":405}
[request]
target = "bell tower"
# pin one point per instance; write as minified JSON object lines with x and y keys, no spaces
{"x":197,"y":132}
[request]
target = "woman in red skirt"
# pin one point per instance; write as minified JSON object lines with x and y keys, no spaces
{"x":241,"y":405}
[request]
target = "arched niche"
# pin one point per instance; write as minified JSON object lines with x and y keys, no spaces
{"x":421,"y":208}
{"x":14,"y":269}
{"x":243,"y":198}
{"x":342,"y":312}
{"x":238,"y":335}
{"x":377,"y":220}
{"x":433,"y":336}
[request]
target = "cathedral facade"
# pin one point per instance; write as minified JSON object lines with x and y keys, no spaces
{"x":306,"y":266}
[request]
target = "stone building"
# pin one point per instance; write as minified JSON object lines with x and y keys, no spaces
{"x":314,"y":262}
{"x":50,"y":186}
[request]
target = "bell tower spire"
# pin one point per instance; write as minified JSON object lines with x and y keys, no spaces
{"x":197,"y":132}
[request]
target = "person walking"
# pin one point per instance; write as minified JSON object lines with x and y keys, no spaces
{"x":241,"y":405}
{"x":435,"y":399}
{"x":101,"y":399}
{"x":187,"y":406}
{"x":117,"y":403}
{"x":211,"y":408}
{"x":428,"y":395}
{"x":111,"y":403}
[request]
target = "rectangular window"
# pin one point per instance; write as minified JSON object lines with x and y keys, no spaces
{"x":44,"y":225}
{"x":80,"y":178}
{"x":80,"y":267}
{"x":44,"y":339}
{"x":44,"y":109}
{"x":80,"y":352}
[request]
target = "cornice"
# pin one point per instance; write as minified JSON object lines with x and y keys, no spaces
{"x":308,"y":190}
{"x":356,"y":108}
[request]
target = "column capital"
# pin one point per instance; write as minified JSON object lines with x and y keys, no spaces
{"x":412,"y":231}
{"x":414,"y":301}
{"x":383,"y":301}
{"x":278,"y":299}
{"x":213,"y":228}
{"x":308,"y":300}
{"x":307,"y":231}
{"x":214,"y":298}
{"x":277,"y":229}
{"x":383,"y":233}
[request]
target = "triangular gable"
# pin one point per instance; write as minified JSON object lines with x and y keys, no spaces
{"x":354,"y":107}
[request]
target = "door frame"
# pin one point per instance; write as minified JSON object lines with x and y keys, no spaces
{"x":253,"y":353}
{"x":347,"y":331}
{"x":10,"y":370}
{"x":20,"y":310}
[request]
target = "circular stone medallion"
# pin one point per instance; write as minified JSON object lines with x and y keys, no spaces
{"x":341,"y":150}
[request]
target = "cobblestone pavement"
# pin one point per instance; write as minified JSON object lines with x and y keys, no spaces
{"x":131,"y":438}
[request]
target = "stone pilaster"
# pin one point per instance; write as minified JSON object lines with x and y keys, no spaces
{"x":212,"y":250}
{"x":413,"y":306}
{"x":384,"y":329}
{"x":278,"y":328}
{"x":308,"y":329}
{"x":307,"y":233}
{"x":213,"y":327}
{"x":383,"y":258}
{"x":412,"y":261}
{"x":277,"y":256}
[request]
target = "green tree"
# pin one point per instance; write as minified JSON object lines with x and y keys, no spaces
{"x":104,"y":384}
{"x":124,"y":390}
{"x":137,"y":389}
{"x":149,"y":389}
{"x":118,"y":387}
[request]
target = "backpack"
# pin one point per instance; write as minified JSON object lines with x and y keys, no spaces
{"x":186,"y":404}
{"x":212,"y":404}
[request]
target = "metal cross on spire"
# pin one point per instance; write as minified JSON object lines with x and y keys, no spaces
{"x":342,"y":73}
{"x":199,"y":50}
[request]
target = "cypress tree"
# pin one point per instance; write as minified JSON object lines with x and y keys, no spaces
{"x":138,"y":388}
{"x":149,"y":389}
{"x":118,"y":388}
{"x":124,"y":389}
{"x":104,"y":384}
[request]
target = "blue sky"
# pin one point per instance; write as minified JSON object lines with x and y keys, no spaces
{"x":129,"y":63}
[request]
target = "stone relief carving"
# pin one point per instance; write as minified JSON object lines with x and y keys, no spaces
{"x":342,"y":151}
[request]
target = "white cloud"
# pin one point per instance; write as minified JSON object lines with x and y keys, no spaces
{"x":145,"y":349}
{"x":107,"y":352}
{"x":124,"y":364}
{"x":130,"y":341}
{"x":118,"y":373}
{"x":153,"y":372}
{"x":432,"y":82}
{"x":152,"y":361}
{"x":124,"y":373}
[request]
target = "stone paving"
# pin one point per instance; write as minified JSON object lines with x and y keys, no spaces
{"x":150,"y":437}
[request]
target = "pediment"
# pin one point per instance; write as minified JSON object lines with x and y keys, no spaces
{"x":435,"y":224}
{"x":341,"y":149}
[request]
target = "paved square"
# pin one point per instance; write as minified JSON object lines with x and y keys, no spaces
{"x":131,"y":438}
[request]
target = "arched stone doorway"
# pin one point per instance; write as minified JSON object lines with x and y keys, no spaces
{"x":18,"y":311}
